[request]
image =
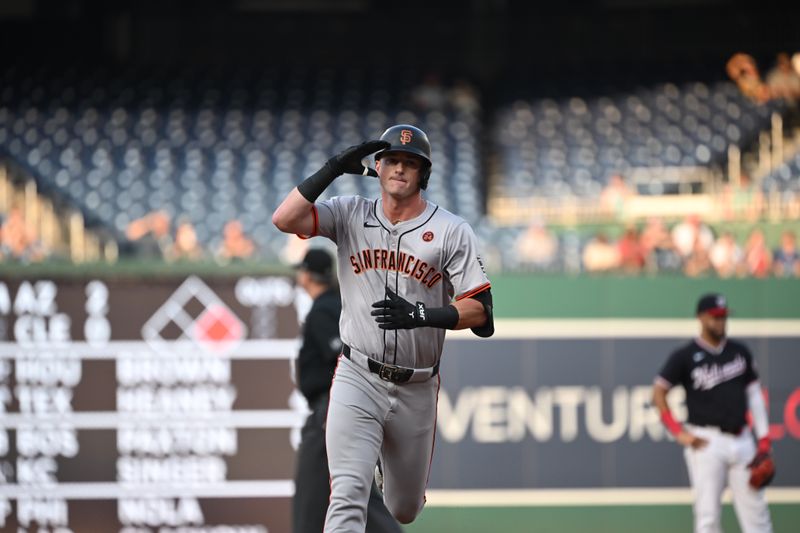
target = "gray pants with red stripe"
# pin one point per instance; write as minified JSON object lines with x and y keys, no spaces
{"x":370,"y":418}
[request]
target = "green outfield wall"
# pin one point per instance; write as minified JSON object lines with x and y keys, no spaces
{"x":517,"y":295}
{"x":551,"y":296}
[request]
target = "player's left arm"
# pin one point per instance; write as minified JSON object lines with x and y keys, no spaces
{"x":470,"y":314}
{"x":476,"y":313}
{"x":395,"y":312}
{"x":471,"y":285}
{"x":758,"y":410}
{"x":472,"y":308}
{"x":762,"y":466}
{"x":756,"y":404}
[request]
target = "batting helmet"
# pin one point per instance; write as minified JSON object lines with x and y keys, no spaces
{"x":407,"y":138}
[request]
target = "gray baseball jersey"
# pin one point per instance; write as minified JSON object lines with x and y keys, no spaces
{"x":432,"y":258}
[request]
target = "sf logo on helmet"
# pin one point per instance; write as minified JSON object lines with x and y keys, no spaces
{"x":405,"y":136}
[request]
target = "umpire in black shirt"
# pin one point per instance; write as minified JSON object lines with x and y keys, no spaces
{"x":316,"y":363}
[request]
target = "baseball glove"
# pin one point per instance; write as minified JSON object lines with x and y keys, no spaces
{"x":762,"y":470}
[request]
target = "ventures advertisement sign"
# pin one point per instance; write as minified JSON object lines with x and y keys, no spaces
{"x":571,"y":413}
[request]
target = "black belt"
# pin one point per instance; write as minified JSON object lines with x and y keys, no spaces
{"x":387,"y":372}
{"x":724,"y":429}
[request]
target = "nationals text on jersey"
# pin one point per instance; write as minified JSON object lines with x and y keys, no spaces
{"x":708,"y":377}
{"x":402,"y":262}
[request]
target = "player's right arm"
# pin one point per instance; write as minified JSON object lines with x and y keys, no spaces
{"x":682,"y":436}
{"x":673,"y":372}
{"x":296,"y":212}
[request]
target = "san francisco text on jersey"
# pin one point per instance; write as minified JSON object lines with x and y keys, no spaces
{"x":406,"y":264}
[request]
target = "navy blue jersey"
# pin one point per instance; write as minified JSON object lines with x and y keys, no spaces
{"x":715,"y":381}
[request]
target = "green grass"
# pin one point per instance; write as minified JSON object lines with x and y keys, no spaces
{"x":594,"y":519}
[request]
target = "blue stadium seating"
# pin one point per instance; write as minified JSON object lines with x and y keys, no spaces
{"x":571,"y":146}
{"x":217,"y":145}
{"x":785,"y":178}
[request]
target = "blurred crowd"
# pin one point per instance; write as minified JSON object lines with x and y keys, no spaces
{"x":432,"y":94}
{"x":19,"y":240}
{"x":690,"y":247}
{"x":782,"y":81}
{"x":153,"y":238}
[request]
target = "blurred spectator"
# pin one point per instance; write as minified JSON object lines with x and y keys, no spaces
{"x":757,"y":257}
{"x":742,"y":201}
{"x":726,"y":256}
{"x":599,"y":255}
{"x":18,"y":239}
{"x":791,"y":205}
{"x":742,"y":69}
{"x":463,"y":97}
{"x":429,"y":95}
{"x":658,"y":248}
{"x":151,"y":234}
{"x":537,"y":247}
{"x":783,"y":81}
{"x":786,"y":261}
{"x":631,"y":251}
{"x":614,"y":195}
{"x":698,"y":263}
{"x":186,"y":246}
{"x":293,"y":250}
{"x":235,"y":244}
{"x":689,"y":234}
{"x":5,"y":249}
{"x":570,"y":253}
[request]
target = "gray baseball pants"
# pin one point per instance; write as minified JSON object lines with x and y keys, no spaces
{"x":370,"y":418}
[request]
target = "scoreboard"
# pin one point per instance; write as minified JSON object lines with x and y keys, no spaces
{"x":139,"y":405}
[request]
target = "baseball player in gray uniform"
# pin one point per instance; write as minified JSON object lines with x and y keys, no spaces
{"x":408,"y":270}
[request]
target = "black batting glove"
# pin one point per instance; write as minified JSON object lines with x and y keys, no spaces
{"x":350,"y":160}
{"x":395,"y":312}
{"x":347,"y":162}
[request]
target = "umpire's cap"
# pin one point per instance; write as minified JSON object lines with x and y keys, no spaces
{"x":408,"y":138}
{"x":319,"y":263}
{"x":713,"y":304}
